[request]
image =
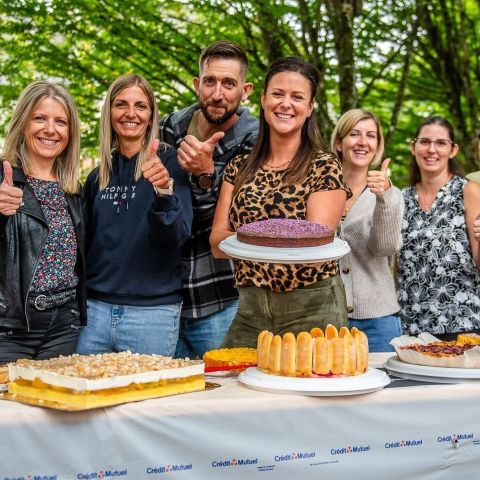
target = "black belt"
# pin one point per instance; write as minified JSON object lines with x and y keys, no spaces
{"x":50,"y":300}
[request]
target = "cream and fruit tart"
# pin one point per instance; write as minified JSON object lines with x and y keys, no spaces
{"x":332,"y":352}
{"x":3,"y":374}
{"x":90,"y":381}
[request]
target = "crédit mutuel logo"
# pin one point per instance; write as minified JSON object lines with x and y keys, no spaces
{"x":404,"y":443}
{"x":455,"y":438}
{"x":169,"y":468}
{"x":102,"y":474}
{"x":33,"y":477}
{"x":288,"y":457}
{"x":235,"y":462}
{"x":346,"y":450}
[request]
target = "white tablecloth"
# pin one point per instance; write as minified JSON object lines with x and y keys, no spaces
{"x":232,"y":432}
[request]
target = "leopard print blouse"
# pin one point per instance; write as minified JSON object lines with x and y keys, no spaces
{"x":266,"y":197}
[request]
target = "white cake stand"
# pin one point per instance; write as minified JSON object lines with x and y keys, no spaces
{"x":244,"y":251}
{"x":426,"y":373}
{"x":370,"y":381}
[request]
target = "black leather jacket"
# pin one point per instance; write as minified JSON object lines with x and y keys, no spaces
{"x":22,"y":237}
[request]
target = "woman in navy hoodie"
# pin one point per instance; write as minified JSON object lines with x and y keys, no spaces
{"x":138,"y":215}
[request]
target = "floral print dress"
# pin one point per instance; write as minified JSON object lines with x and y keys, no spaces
{"x":438,"y":283}
{"x":56,"y":266}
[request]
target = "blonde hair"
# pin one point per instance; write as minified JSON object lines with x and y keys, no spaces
{"x":108,"y":136}
{"x":347,"y":123}
{"x":67,"y":165}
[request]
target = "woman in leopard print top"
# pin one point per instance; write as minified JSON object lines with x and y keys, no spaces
{"x":285,"y":176}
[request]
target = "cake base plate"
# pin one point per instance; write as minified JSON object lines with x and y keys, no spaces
{"x":370,"y":381}
{"x":244,"y":251}
{"x":71,"y":408}
{"x":425,"y":373}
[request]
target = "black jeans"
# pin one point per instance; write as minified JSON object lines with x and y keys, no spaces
{"x":52,"y":332}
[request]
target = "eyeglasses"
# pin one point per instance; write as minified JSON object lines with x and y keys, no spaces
{"x":441,"y":144}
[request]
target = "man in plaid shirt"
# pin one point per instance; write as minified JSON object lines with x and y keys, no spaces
{"x":207,"y":136}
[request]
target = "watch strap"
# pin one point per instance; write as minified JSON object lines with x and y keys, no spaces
{"x":204,"y":180}
{"x":166,"y":191}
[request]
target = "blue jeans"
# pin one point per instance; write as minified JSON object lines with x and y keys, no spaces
{"x":199,"y":335}
{"x":379,"y":330}
{"x":116,"y":328}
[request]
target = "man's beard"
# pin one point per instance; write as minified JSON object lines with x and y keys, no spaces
{"x":217,"y":120}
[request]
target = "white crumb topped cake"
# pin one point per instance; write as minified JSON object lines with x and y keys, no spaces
{"x":90,"y":381}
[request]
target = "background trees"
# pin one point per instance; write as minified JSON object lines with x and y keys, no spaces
{"x":403,"y":60}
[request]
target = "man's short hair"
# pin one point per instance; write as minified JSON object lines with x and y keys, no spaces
{"x":224,"y":49}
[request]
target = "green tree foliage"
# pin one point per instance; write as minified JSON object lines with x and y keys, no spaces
{"x":402,"y":60}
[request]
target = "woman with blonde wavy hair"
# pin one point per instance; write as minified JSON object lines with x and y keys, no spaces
{"x":42,"y":266}
{"x":371,"y":224}
{"x":138,"y":214}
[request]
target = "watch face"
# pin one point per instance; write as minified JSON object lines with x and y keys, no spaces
{"x":205,"y":181}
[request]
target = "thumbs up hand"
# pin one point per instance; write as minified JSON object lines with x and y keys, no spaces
{"x":197,"y":157}
{"x":377,"y":180}
{"x":10,"y":196}
{"x":153,"y":169}
{"x":476,"y":229}
{"x":7,"y":173}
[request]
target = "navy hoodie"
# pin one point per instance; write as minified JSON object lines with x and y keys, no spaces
{"x":134,"y":237}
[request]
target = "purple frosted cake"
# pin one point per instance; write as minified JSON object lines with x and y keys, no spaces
{"x":285,"y":233}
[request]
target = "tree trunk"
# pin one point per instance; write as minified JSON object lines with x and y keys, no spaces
{"x":341,"y":14}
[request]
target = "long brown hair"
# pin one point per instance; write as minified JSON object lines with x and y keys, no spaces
{"x":453,"y":166}
{"x":67,"y":165}
{"x":310,"y":137}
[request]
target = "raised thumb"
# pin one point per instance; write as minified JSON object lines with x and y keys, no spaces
{"x":215,"y":138}
{"x":7,"y":173}
{"x":154,"y":147}
{"x":384,"y":167}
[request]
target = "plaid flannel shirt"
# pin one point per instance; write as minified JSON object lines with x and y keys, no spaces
{"x":208,"y":284}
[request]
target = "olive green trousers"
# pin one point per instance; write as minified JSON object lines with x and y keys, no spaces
{"x":297,"y":311}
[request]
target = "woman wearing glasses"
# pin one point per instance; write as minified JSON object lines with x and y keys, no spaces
{"x":438,"y":266}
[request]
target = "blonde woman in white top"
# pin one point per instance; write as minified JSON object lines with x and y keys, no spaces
{"x":371,"y":225}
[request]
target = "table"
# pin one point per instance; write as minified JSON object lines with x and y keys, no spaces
{"x":232,"y":432}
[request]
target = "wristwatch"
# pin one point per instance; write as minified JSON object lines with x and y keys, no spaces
{"x":204,"y":180}
{"x":166,"y":191}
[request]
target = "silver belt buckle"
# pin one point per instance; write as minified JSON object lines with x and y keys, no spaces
{"x":40,"y":302}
